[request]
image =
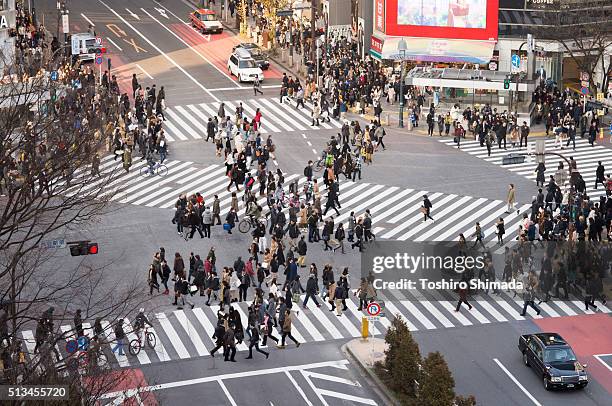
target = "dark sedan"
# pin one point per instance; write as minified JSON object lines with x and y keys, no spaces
{"x":553,"y":360}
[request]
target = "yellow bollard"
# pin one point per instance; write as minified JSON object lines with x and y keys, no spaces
{"x":601,"y":134}
{"x":365,"y":327}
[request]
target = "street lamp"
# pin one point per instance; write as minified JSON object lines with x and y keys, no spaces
{"x":402,"y":46}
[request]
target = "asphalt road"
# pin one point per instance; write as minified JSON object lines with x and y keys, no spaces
{"x":151,"y":39}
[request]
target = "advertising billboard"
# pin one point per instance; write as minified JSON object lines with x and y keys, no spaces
{"x":451,"y":19}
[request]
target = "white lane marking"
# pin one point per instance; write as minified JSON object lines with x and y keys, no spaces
{"x":227,"y":393}
{"x":132,"y":14}
{"x":195,"y":381}
{"x":298,"y":388}
{"x":598,"y":357}
{"x":310,"y":327}
{"x":170,"y":11}
{"x":492,"y":311}
{"x":521,"y":387}
{"x":144,"y":71}
{"x":319,"y":315}
{"x":162,"y":53}
{"x":192,"y":48}
{"x":88,"y":20}
{"x":332,"y":378}
{"x":114,"y":44}
{"x":347,"y":397}
{"x":314,"y":151}
{"x":210,"y":329}
{"x":224,"y":89}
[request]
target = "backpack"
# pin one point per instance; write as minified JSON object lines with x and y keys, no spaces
{"x":185,"y":288}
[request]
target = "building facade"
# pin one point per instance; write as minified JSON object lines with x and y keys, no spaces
{"x":7,"y":25}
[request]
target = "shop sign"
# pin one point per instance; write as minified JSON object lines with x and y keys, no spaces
{"x":7,"y":20}
{"x":376,"y":45}
{"x":542,"y":4}
{"x":380,"y":16}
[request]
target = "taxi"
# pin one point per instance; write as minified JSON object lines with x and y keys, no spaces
{"x":205,"y":21}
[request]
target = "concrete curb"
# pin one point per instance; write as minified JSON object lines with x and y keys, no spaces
{"x":370,"y":376}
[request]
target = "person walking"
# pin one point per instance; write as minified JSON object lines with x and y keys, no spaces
{"x":254,"y":342}
{"x":257,"y":86}
{"x":463,"y":298}
{"x":524,"y":134}
{"x":207,"y":221}
{"x":287,"y":330}
{"x":426,"y":208}
{"x":120,"y":337}
{"x":152,"y":279}
{"x":478,"y":235}
{"x":600,"y":175}
{"x":229,"y":343}
{"x":216,"y":211}
{"x":339,"y":237}
{"x":501,"y":230}
{"x":311,"y":291}
{"x":530,"y":286}
{"x":302,"y":249}
{"x":511,"y":198}
{"x":218,"y":337}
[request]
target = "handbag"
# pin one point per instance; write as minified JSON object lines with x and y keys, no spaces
{"x":227,"y":226}
{"x":264,"y":265}
{"x":295,"y":297}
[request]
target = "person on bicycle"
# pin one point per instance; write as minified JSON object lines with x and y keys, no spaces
{"x":140,"y":322}
{"x":151,"y":162}
{"x":253,"y":211}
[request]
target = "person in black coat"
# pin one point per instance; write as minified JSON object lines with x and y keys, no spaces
{"x":254,"y":342}
{"x":218,"y":339}
{"x":194,"y":222}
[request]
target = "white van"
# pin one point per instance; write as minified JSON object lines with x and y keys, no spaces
{"x":243,"y":66}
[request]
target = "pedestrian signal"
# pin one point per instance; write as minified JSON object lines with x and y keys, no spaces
{"x":83,"y":248}
{"x":506,"y":84}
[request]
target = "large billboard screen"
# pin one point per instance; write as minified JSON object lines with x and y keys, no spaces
{"x":451,"y":19}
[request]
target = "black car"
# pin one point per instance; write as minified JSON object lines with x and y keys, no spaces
{"x":553,"y":360}
{"x":261,"y":59}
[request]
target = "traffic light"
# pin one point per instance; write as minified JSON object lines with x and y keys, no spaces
{"x":506,"y":84}
{"x":83,"y":248}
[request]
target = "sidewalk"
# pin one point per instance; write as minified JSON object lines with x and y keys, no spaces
{"x":365,"y":353}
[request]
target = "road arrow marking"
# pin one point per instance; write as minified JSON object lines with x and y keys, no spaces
{"x":162,"y":12}
{"x":132,"y":14}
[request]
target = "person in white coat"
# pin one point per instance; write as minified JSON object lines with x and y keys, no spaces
{"x":316,"y":113}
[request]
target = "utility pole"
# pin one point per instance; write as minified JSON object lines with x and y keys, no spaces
{"x":313,"y":13}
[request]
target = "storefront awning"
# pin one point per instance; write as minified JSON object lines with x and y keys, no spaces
{"x":433,"y":49}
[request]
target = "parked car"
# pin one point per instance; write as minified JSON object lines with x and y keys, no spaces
{"x":243,"y":66}
{"x":260,"y":57}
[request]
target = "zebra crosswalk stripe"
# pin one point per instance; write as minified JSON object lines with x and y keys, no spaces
{"x":171,"y":333}
{"x":192,"y":333}
{"x":586,"y":156}
{"x":142,"y":356}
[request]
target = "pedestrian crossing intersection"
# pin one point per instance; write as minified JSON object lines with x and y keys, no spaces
{"x":184,"y":334}
{"x":586,"y":157}
{"x":189,"y":122}
{"x":395,"y":210}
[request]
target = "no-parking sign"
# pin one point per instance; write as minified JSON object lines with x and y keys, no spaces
{"x":373,"y":309}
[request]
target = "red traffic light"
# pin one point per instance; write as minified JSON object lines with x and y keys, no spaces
{"x":103,"y":50}
{"x":83,"y":248}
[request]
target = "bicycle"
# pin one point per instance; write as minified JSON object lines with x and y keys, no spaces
{"x":158,"y":169}
{"x":319,"y":165}
{"x":245,"y":225}
{"x":137,"y":344}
